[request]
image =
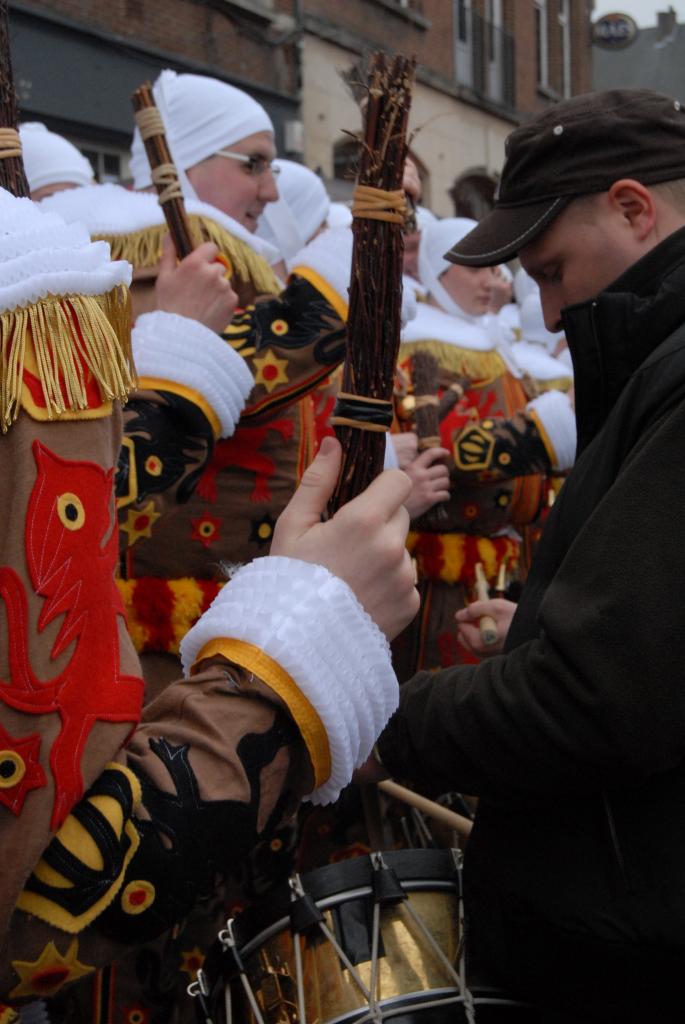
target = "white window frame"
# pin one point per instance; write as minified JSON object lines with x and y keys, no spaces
{"x":564,"y":17}
{"x":542,"y":43}
{"x":463,"y":48}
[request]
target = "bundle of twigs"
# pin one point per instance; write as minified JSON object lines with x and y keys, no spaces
{"x":163,"y":170}
{"x":425,"y":375}
{"x":12,"y":173}
{"x":364,"y":409}
{"x":449,"y":398}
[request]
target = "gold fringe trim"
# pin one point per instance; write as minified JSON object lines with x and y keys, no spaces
{"x":63,"y":340}
{"x":144,"y":249}
{"x":480,"y":367}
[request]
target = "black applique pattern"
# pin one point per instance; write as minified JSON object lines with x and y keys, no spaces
{"x":188,"y":840}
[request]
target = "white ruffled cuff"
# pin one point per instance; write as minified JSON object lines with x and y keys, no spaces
{"x":170,"y":347}
{"x":313,"y":626}
{"x":555,"y":415}
{"x":390,"y":460}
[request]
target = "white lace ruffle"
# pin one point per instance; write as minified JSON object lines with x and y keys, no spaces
{"x":175,"y":348}
{"x":106,"y":209}
{"x":313,"y":626}
{"x":263,"y":248}
{"x":40,"y":255}
{"x":112,"y":210}
{"x":556,"y":415}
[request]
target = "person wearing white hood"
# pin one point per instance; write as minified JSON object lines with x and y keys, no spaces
{"x":502,"y":443}
{"x":51,"y":162}
{"x":298,"y":215}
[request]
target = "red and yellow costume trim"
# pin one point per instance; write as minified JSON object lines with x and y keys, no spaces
{"x":66,"y":357}
{"x":452,"y":557}
{"x":160,"y":612}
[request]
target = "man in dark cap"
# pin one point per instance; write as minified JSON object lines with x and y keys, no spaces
{"x":575,"y":737}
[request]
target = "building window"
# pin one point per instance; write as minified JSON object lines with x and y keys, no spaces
{"x":541,"y":46}
{"x":463,"y":55}
{"x":108,"y":164}
{"x":564,"y":20}
{"x":484,"y":53}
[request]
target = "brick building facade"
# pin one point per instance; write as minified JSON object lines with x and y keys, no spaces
{"x":483,"y":64}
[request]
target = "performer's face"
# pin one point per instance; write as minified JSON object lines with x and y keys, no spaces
{"x":470,"y":287}
{"x":234,"y":187}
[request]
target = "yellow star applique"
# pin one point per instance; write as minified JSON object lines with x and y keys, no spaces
{"x":139,"y":522}
{"x":271,"y":371}
{"x":49,"y":972}
{"x":191,"y":961}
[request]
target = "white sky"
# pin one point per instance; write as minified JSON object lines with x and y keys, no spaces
{"x":643,"y":11}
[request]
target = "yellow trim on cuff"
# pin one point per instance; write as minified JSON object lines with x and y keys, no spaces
{"x":254,"y":659}
{"x":546,"y":440}
{"x":321,"y":284}
{"x":160,"y":384}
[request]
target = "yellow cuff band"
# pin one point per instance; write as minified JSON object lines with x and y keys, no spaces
{"x":254,"y":659}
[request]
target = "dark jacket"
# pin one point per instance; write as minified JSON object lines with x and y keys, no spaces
{"x":575,"y":738}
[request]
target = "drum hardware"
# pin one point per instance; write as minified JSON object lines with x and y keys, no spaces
{"x":372,"y":940}
{"x":199,"y":989}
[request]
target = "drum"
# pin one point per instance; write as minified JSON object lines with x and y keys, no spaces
{"x":375,"y":938}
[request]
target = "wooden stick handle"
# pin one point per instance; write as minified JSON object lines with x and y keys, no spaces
{"x":486,"y":625}
{"x":462,"y":826}
{"x":167,"y":185}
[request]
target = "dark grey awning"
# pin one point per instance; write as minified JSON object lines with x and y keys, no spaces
{"x":72,"y":77}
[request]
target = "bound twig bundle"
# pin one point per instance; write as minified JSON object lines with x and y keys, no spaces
{"x":12,"y":173}
{"x":425,"y":375}
{"x":163,"y":170}
{"x":448,"y":400}
{"x":363,"y":413}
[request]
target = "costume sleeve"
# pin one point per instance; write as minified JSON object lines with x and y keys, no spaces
{"x":145,"y":813}
{"x":596,"y":699}
{"x":292,"y":342}
{"x":539,"y":439}
{"x":195,"y":388}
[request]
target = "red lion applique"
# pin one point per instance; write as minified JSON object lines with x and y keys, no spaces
{"x":242,"y":450}
{"x":71,"y":550}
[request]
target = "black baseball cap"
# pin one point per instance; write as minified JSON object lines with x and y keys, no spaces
{"x":577,"y":147}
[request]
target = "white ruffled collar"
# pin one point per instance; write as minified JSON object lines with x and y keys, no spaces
{"x":41,"y":255}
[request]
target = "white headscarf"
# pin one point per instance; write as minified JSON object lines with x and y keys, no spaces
{"x":524,"y":285}
{"x":437,"y":238}
{"x":339,"y":216}
{"x":201,"y":116}
{"x":424,"y":216}
{"x":299,"y":212}
{"x":50,"y":160}
{"x":533,"y":325}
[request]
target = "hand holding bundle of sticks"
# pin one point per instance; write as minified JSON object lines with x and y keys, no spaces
{"x":364,"y":410}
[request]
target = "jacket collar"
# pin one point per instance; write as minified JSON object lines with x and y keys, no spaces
{"x":611,"y":335}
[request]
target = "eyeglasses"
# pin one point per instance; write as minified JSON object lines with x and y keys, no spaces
{"x":256,"y":164}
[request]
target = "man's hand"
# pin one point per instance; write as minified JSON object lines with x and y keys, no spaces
{"x":468,"y":618}
{"x":430,"y":480}
{"x":364,"y":542}
{"x":196,"y":287}
{"x":406,"y":447}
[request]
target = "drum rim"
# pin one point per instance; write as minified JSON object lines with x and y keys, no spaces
{"x":452,"y":996}
{"x":428,"y":866}
{"x":415,"y":885}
